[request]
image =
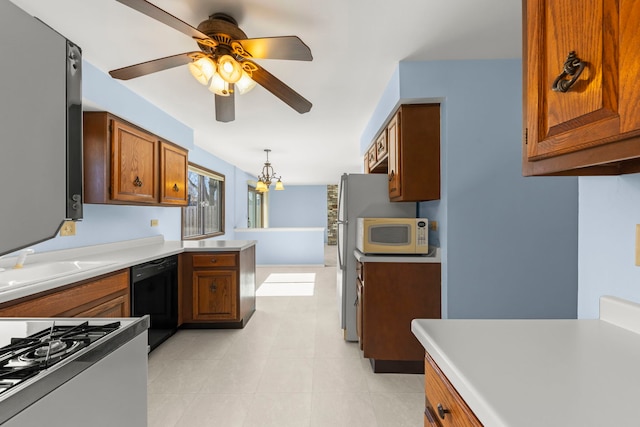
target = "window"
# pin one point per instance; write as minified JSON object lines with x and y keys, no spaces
{"x":204,"y":214}
{"x":255,"y":208}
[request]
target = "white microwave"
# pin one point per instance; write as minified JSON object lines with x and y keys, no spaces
{"x":392,"y":235}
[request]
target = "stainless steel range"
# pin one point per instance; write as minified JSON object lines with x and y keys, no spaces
{"x":49,"y":365}
{"x":26,"y":357}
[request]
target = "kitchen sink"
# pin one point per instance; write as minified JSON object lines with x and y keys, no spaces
{"x":34,"y":273}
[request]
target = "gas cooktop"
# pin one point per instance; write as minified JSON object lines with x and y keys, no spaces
{"x":37,"y":345}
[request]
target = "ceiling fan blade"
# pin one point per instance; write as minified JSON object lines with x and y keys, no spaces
{"x":287,"y":47}
{"x":225,"y":108}
{"x":166,"y":18}
{"x":149,"y":67}
{"x":281,"y":90}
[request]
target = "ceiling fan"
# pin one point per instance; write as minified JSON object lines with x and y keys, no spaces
{"x":224,"y":62}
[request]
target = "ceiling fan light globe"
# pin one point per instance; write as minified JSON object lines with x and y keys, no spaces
{"x":229,"y":69}
{"x":245,"y":84}
{"x":219,"y":86}
{"x":202,"y":69}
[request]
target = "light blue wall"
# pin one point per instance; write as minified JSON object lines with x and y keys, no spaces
{"x":286,"y":246}
{"x":509,"y":243}
{"x":110,"y":223}
{"x":299,"y":206}
{"x":609,"y":212}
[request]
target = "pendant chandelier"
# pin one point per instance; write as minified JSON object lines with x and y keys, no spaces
{"x":267,"y":176}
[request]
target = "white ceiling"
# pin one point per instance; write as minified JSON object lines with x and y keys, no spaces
{"x":356,"y":46}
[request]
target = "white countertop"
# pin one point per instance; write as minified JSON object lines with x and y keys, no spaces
{"x":432,"y":257}
{"x":520,"y":373}
{"x":119,"y":255}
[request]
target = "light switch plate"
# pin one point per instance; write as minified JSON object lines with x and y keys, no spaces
{"x":154,"y":222}
{"x":638,"y":245}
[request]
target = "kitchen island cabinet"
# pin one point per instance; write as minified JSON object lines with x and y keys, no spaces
{"x":218,"y":288}
{"x":105,"y":296}
{"x":588,"y":51}
{"x":124,"y":164}
{"x":390,"y":296}
{"x":535,"y":372}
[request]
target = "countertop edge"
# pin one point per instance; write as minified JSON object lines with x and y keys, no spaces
{"x":120,"y":256}
{"x":432,"y":258}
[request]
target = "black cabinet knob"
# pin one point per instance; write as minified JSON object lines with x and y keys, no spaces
{"x":442,"y":411}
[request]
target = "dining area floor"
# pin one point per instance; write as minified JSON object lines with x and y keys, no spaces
{"x":289,"y":366}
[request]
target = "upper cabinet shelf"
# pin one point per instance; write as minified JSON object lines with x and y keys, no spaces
{"x":408,"y":151}
{"x":124,"y":164}
{"x":581,"y":88}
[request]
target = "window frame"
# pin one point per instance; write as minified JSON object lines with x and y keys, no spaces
{"x":202,"y":171}
{"x":252,"y":190}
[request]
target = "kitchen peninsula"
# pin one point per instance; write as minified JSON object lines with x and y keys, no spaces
{"x":116,"y":258}
{"x":501,"y":373}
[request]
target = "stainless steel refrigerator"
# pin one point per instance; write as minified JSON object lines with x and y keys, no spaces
{"x":359,"y":195}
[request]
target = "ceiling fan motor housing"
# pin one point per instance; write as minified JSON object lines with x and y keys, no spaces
{"x":221,"y":28}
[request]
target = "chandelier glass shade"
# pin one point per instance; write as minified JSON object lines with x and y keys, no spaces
{"x":267,"y":176}
{"x":220,"y":73}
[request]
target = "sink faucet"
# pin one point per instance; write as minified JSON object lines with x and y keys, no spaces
{"x":22,"y":256}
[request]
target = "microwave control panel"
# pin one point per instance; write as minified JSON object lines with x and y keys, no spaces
{"x":422,"y":230}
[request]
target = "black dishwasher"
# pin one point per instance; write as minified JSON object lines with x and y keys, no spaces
{"x":154,"y":291}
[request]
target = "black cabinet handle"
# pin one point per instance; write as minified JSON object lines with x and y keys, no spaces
{"x":176,"y":188}
{"x":572,"y":67}
{"x":213,"y":260}
{"x":213,"y":287}
{"x":429,"y":414}
{"x":137,"y":182}
{"x":442,"y":411}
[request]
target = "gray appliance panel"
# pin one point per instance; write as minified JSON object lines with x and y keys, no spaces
{"x":33,"y":123}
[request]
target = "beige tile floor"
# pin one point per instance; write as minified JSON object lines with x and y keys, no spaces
{"x":288,"y":367}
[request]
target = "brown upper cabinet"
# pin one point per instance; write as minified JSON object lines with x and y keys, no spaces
{"x":581,"y":87}
{"x":124,"y":164}
{"x":408,"y":150}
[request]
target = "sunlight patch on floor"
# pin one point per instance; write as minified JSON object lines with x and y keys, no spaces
{"x":288,"y":284}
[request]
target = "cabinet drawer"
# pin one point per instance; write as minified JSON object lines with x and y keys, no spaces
{"x":444,"y":404}
{"x":215,"y":260}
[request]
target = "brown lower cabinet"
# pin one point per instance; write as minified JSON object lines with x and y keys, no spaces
{"x":104,"y":296}
{"x":219,"y":288}
{"x":390,"y":296}
{"x":444,"y":407}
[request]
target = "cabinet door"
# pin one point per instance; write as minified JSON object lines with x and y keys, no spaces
{"x":587,"y":112}
{"x":595,"y":123}
{"x":173,"y":174}
{"x":215,"y":295}
{"x":381,"y":146}
{"x":134,"y":170}
{"x":393,"y":145}
{"x":116,"y":307}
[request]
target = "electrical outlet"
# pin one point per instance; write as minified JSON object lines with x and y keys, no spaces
{"x":433,"y":225}
{"x":155,"y":222}
{"x":638,"y":244}
{"x":68,"y":228}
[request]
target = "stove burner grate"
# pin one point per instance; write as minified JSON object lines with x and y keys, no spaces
{"x":26,"y":357}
